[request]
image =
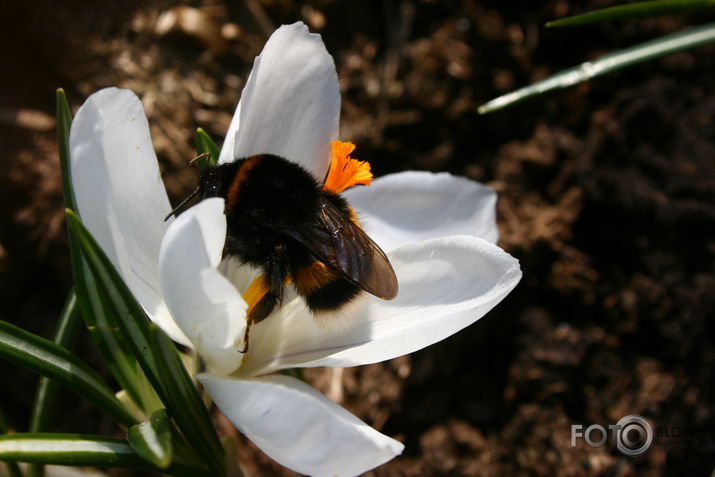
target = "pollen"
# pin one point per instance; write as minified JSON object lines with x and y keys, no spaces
{"x":345,"y":171}
{"x":256,"y":290}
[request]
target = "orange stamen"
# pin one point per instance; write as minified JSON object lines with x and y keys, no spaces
{"x":345,"y":171}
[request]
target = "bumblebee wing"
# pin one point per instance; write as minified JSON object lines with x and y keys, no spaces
{"x":346,"y":248}
{"x":342,"y":245}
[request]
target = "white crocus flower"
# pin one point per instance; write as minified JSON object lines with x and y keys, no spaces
{"x":439,"y":232}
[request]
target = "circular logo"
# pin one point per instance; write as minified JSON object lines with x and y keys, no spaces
{"x":634,"y":435}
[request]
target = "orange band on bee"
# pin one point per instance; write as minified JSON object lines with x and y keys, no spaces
{"x":313,"y":277}
{"x":354,"y":217}
{"x":239,"y":179}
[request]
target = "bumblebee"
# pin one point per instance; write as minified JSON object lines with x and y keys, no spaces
{"x":280,"y":220}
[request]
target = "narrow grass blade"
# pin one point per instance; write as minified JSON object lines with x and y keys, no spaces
{"x":190,"y":411}
{"x":47,"y":359}
{"x":155,"y":351}
{"x":633,"y":10}
{"x":152,"y":439}
{"x":64,"y":123}
{"x":205,"y":145}
{"x":607,"y":64}
{"x":43,"y":409}
{"x":80,"y":450}
{"x":104,"y":330}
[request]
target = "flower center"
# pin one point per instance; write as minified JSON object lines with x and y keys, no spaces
{"x":345,"y":171}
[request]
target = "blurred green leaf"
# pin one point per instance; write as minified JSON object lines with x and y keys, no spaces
{"x":47,"y":359}
{"x":80,"y":450}
{"x":43,"y":409}
{"x":152,"y":439}
{"x":13,"y":469}
{"x":205,"y":145}
{"x":607,"y":64}
{"x":632,"y":10}
{"x":155,"y":351}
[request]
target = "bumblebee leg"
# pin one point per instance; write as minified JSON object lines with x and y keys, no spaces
{"x":274,"y":274}
{"x":245,"y":338}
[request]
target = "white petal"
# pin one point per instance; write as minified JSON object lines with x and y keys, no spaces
{"x":229,"y":143}
{"x":446,"y":284}
{"x":204,"y":304}
{"x":120,"y":195}
{"x":299,"y":427}
{"x":241,"y":275}
{"x":412,"y":206}
{"x":290,"y":106}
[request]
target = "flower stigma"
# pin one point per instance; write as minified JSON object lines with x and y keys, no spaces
{"x":345,"y":171}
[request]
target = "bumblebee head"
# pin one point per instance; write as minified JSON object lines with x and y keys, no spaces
{"x":208,"y":184}
{"x":212,"y":183}
{"x":207,"y":187}
{"x":215,"y":181}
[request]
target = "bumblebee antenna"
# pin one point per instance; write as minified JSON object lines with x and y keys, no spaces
{"x":183,"y":202}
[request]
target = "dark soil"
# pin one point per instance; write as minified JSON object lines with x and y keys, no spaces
{"x":606,"y":193}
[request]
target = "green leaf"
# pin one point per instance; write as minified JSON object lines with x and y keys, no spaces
{"x":105,"y":331}
{"x":155,"y":352}
{"x":69,"y":449}
{"x":152,"y":439}
{"x":52,"y":361}
{"x":204,"y":145}
{"x":43,"y":409}
{"x":189,"y":409}
{"x":80,"y":450}
{"x":13,"y":469}
{"x":64,"y":124}
{"x":607,"y":64}
{"x":633,"y":10}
